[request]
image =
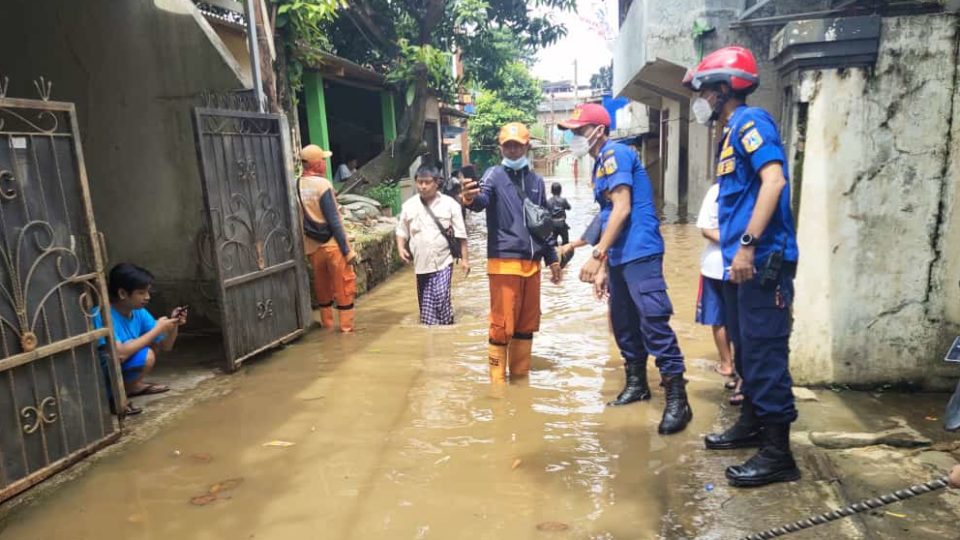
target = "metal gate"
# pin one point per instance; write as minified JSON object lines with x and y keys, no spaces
{"x":254,"y":229}
{"x":53,"y":392}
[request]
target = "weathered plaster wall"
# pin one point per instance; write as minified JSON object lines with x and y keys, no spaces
{"x":671,"y":174}
{"x":134,"y":69}
{"x":877,"y":283}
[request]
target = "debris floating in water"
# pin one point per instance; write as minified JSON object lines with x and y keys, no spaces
{"x":552,"y":526}
{"x":516,"y":463}
{"x":709,"y":487}
{"x":279,"y":444}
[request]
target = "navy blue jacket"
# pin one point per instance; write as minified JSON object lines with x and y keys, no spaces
{"x":507,"y":234}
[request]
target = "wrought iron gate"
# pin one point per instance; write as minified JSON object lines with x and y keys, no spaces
{"x":53,"y":392}
{"x":255,"y":239}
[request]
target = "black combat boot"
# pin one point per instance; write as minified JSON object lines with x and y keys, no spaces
{"x":773,"y":463}
{"x":745,"y":433}
{"x":677,"y":412}
{"x":636,"y":388}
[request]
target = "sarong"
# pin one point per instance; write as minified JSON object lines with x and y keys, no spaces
{"x":433,"y":294}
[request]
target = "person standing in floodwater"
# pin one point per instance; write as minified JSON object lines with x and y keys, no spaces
{"x":513,"y":252}
{"x":431,"y":236}
{"x":325,"y":241}
{"x":632,"y":249}
{"x":759,"y":247}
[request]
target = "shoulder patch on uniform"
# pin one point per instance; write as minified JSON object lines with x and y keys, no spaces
{"x":746,"y":126}
{"x":610,"y":165}
{"x":751,"y":141}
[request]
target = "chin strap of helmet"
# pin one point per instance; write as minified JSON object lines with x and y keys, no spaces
{"x":723,"y":96}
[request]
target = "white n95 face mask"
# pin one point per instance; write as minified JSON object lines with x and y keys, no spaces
{"x":702,"y":111}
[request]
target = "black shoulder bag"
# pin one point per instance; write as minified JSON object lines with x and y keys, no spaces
{"x":452,"y":242}
{"x":317,"y":231}
{"x":536,"y":217}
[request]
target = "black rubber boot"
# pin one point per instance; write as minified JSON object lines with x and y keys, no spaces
{"x":677,"y":412}
{"x":745,"y":433}
{"x":636,"y":388}
{"x":773,"y":463}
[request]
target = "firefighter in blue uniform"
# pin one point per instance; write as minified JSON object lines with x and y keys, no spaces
{"x":632,"y":248}
{"x":760,"y":254}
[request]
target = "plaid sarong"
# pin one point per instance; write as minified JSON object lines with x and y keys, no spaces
{"x":433,"y":294}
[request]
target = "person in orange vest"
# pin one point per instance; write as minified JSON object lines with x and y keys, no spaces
{"x":325,"y":241}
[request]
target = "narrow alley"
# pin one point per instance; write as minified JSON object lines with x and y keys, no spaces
{"x":395,"y":432}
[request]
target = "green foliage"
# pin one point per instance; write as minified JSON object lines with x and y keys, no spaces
{"x":492,"y":112}
{"x":409,"y":39}
{"x":386,"y":194}
{"x":602,"y":79}
{"x":515,"y":100}
{"x":301,"y":24}
{"x":436,"y":62}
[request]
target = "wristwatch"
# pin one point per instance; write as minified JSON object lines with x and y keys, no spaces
{"x":748,"y":240}
{"x":597,"y":254}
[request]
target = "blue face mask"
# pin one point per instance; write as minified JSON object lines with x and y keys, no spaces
{"x":515,"y":164}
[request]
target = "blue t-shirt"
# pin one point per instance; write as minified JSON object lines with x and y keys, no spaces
{"x":751,"y":141}
{"x":619,"y":165}
{"x":125,"y":329}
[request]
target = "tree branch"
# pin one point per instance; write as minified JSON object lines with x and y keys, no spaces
{"x":431,"y":18}
{"x":365,"y":19}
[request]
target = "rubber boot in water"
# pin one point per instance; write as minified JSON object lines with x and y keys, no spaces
{"x":772,"y":463}
{"x":636,"y":387}
{"x":326,"y":316}
{"x":346,"y":319}
{"x":497,"y":358}
{"x":677,"y":412}
{"x":745,"y":433}
{"x":520,"y":350}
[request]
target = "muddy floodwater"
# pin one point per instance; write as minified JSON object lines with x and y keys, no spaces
{"x":395,"y":433}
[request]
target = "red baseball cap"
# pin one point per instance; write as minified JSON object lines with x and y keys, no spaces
{"x":587,"y":114}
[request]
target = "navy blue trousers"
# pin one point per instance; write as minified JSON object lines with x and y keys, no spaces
{"x":640,"y":311}
{"x":758,"y":321}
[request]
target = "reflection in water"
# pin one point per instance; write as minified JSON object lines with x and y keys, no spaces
{"x":399,"y":435}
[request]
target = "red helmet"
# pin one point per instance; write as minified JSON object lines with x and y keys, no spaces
{"x":735,"y":66}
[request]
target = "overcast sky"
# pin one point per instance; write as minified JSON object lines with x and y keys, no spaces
{"x":584,"y":42}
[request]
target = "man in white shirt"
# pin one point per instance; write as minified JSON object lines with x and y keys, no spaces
{"x":346,"y":169}
{"x":710,"y":307}
{"x":431,"y":235}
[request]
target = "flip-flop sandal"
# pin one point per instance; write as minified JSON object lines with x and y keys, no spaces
{"x":132,"y":410}
{"x":149,"y":390}
{"x":736,"y":399}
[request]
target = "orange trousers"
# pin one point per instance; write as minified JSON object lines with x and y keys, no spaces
{"x":333,"y":278}
{"x":514,"y":307}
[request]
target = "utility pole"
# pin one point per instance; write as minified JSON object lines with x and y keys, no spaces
{"x":254,"y":45}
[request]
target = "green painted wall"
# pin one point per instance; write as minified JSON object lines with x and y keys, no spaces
{"x":317,"y":113}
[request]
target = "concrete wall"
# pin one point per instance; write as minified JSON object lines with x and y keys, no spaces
{"x":134,"y":69}
{"x":671,"y":172}
{"x":879,"y":226}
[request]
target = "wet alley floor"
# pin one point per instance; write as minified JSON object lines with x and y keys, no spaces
{"x":394,"y":432}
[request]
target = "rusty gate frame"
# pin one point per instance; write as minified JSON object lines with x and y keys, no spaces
{"x":249,"y":122}
{"x":48,"y":410}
